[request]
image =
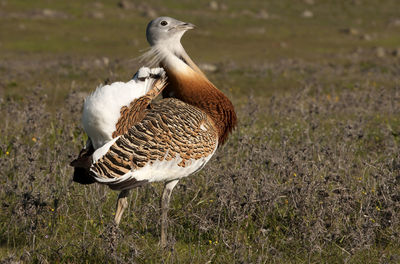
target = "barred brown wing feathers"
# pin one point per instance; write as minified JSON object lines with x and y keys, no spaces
{"x":129,"y":116}
{"x":170,"y":129}
{"x":137,"y":109}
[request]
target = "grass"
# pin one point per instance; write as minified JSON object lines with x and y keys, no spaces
{"x":311,"y":174}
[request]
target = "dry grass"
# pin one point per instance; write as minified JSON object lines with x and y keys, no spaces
{"x":312,"y":174}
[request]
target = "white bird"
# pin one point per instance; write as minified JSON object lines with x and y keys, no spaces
{"x":134,"y":140}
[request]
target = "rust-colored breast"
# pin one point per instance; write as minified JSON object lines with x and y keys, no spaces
{"x":198,"y":91}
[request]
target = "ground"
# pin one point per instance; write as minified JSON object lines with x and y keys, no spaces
{"x":311,"y":174}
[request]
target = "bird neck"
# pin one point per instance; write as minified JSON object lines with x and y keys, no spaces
{"x":188,"y":83}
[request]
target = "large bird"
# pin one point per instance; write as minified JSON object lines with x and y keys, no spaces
{"x":134,"y":140}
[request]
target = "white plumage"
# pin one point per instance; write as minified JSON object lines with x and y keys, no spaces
{"x":101,"y":109}
{"x":101,"y":151}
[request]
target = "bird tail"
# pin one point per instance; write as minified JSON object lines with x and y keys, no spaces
{"x":82,"y":165}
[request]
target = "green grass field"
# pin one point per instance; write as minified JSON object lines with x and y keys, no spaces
{"x":311,"y":174}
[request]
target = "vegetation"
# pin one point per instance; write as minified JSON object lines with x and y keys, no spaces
{"x":312,"y":173}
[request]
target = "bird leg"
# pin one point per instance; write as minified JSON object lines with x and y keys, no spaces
{"x":166,"y":196}
{"x":122,"y":204}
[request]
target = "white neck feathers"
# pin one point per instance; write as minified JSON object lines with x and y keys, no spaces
{"x":172,"y":55}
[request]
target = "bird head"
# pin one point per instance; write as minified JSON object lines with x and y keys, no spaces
{"x":164,"y":30}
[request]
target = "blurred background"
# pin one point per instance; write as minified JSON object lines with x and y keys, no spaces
{"x":311,"y":174}
{"x":97,"y":36}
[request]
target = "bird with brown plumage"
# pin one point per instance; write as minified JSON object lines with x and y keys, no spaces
{"x":148,"y":141}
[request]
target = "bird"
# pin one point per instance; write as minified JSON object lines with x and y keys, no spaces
{"x":135,"y":140}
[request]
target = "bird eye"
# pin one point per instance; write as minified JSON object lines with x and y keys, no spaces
{"x":164,"y":23}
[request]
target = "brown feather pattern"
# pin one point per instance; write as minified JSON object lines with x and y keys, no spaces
{"x":137,"y":109}
{"x":129,"y":116}
{"x":169,"y":128}
{"x":195,"y":89}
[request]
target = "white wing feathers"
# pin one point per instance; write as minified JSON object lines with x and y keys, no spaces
{"x":101,"y":109}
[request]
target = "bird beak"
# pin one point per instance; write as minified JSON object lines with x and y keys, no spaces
{"x":185,"y":26}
